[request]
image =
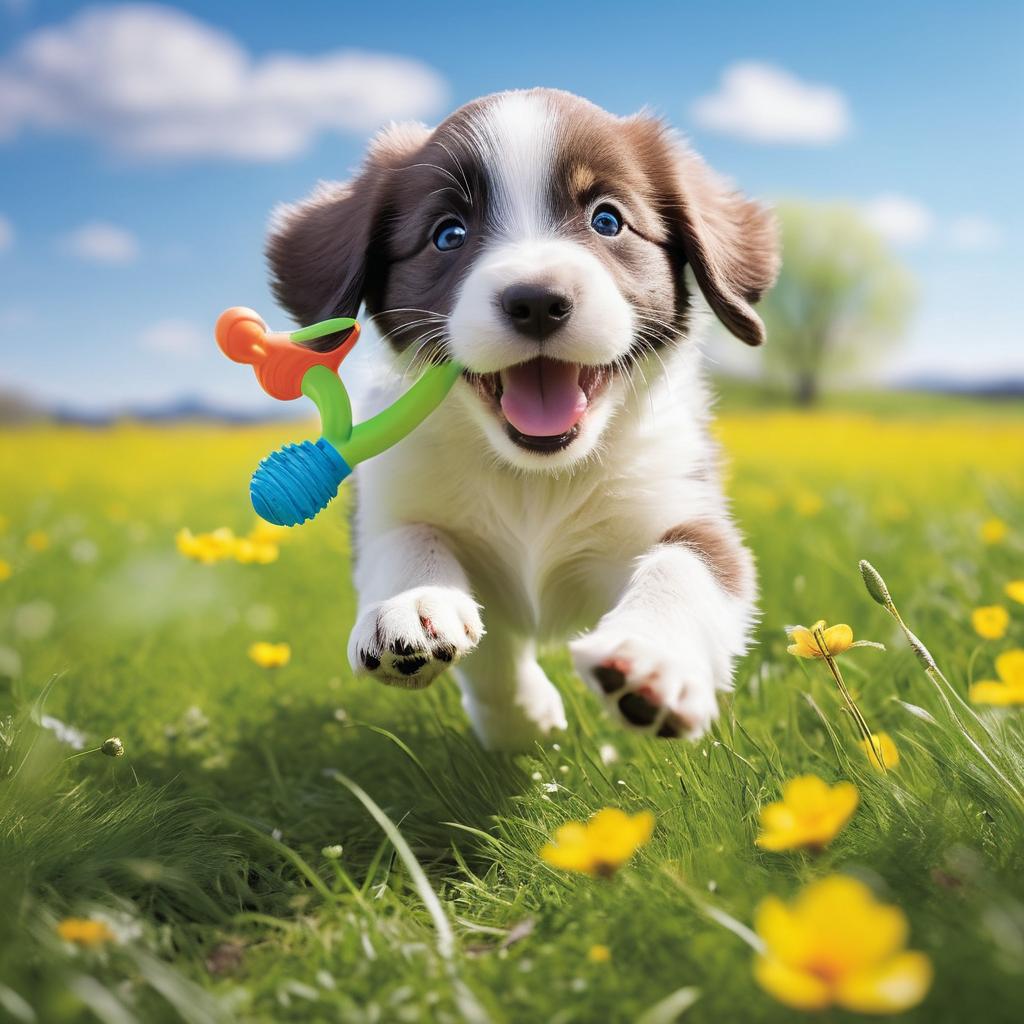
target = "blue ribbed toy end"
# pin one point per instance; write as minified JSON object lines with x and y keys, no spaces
{"x":294,"y":483}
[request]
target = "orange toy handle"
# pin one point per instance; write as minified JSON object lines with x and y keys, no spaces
{"x":278,"y":359}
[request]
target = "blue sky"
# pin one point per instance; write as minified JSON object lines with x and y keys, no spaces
{"x":141,"y":152}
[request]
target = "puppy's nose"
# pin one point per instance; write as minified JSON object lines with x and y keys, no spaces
{"x":536,"y":310}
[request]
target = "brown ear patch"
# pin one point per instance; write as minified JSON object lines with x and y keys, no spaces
{"x":320,"y":250}
{"x":719,"y":547}
{"x":731,"y":242}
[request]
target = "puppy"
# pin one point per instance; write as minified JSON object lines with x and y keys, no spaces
{"x":567,"y":488}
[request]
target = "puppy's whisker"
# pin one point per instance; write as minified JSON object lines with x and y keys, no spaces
{"x":461,"y":170}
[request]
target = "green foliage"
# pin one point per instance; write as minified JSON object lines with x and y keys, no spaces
{"x":841,"y":298}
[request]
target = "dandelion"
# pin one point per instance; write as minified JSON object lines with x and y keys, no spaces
{"x":1015,"y":591}
{"x":1010,"y":687}
{"x":811,"y":813}
{"x":880,"y":745}
{"x":990,"y":621}
{"x":81,"y":931}
{"x":333,"y":852}
{"x":38,"y":540}
{"x":993,"y":531}
{"x":5,"y":570}
{"x":599,"y":954}
{"x":838,"y":639}
{"x":836,"y":945}
{"x":602,"y":845}
{"x":268,"y":655}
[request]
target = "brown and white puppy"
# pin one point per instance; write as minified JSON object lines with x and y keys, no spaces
{"x":564,"y":257}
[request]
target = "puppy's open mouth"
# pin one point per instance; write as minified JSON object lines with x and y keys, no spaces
{"x":543,"y":401}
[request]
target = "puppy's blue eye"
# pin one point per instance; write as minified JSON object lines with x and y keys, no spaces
{"x":450,"y":235}
{"x":606,"y":221}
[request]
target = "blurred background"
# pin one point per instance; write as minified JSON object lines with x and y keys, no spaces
{"x":143,"y":146}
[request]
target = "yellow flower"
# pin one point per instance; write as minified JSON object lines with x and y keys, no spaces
{"x":810,"y":813}
{"x":206,"y":547}
{"x":1010,"y":669}
{"x":602,"y":845}
{"x":993,"y":531}
{"x":267,"y":533}
{"x":38,"y":540}
{"x":838,"y":638}
{"x":990,"y":621}
{"x":599,"y":954}
{"x":248,"y":551}
{"x":1015,"y":591}
{"x":838,"y":946}
{"x":268,"y":655}
{"x":883,"y":743}
{"x":84,"y":932}
{"x":5,"y":570}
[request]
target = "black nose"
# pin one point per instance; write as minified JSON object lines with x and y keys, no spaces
{"x":536,"y":310}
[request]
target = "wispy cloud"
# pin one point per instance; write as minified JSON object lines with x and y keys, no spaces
{"x":899,"y":219}
{"x":763,"y":103}
{"x":974,"y":234}
{"x":99,"y":242}
{"x":6,"y":233}
{"x":180,"y":338}
{"x":153,"y":81}
{"x":907,"y":222}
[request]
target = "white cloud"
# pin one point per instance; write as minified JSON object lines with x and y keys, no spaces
{"x":762,"y":103}
{"x":180,"y":338}
{"x":974,"y":234}
{"x":99,"y":242}
{"x":899,"y":219}
{"x":152,"y":81}
{"x":6,"y":233}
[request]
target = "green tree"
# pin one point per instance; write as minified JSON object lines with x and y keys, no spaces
{"x":841,"y":299}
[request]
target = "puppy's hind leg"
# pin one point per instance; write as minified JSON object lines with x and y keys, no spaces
{"x":510,"y":702}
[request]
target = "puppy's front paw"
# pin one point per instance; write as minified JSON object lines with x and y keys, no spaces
{"x":653,"y":686}
{"x":409,"y":640}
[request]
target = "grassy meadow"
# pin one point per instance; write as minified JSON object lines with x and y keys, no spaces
{"x":239,"y":861}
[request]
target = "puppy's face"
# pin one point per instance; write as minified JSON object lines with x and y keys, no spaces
{"x":541,"y":243}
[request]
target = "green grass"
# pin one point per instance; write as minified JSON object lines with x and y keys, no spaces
{"x":204,"y":842}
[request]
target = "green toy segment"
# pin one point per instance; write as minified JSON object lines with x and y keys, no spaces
{"x":402,"y":417}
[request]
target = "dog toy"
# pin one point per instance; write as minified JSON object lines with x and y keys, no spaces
{"x":297,"y":481}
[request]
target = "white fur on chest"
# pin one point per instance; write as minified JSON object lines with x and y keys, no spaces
{"x":546,"y":553}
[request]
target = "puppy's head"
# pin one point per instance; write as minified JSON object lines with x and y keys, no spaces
{"x":539,"y":241}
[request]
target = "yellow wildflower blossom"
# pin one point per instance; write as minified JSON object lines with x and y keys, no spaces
{"x":838,"y":638}
{"x":1010,"y":688}
{"x":602,"y":845}
{"x":1015,"y":591}
{"x":880,"y":745}
{"x":267,"y":533}
{"x":990,"y":621}
{"x":811,"y":813}
{"x":248,"y":551}
{"x":5,"y":570}
{"x":38,"y":540}
{"x":599,"y":954}
{"x":268,"y":655}
{"x":206,"y":547}
{"x":84,"y":932}
{"x":993,"y":531}
{"x":836,"y":945}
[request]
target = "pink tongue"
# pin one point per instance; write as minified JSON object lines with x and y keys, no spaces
{"x":542,"y":398}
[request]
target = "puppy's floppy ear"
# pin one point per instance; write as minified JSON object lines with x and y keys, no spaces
{"x":730,"y":241}
{"x":321,"y":251}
